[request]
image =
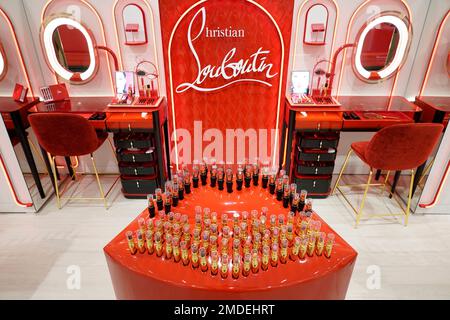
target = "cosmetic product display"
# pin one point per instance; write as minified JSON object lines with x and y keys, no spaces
{"x":151,"y":206}
{"x":203,"y":173}
{"x":187,"y":181}
{"x":229,"y":179}
{"x":231,"y":236}
{"x":255,"y":171}
{"x":159,"y":199}
{"x":195,"y":174}
{"x":272,"y":183}
{"x":130,"y":241}
{"x":213,"y":178}
{"x":220,"y":178}
{"x":260,"y":244}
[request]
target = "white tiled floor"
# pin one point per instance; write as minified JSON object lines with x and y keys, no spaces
{"x":37,"y":250}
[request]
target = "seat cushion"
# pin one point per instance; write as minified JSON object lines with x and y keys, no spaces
{"x":359,"y":148}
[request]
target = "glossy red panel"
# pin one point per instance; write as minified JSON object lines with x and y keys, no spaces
{"x":230,"y":99}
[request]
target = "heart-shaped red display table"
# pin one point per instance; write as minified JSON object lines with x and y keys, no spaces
{"x":144,"y":276}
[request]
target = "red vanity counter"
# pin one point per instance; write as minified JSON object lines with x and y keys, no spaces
{"x":144,"y":126}
{"x":144,"y":276}
{"x":435,"y":109}
{"x":311,"y":134}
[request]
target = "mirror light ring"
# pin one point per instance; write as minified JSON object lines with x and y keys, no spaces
{"x":3,"y":63}
{"x":49,"y":29}
{"x":402,"y":46}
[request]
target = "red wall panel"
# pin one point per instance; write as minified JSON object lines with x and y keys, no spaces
{"x":226,"y":64}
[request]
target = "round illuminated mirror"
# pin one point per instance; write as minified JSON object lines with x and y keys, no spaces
{"x":382,"y":46}
{"x":448,"y":63}
{"x":70,"y":49}
{"x":3,"y":63}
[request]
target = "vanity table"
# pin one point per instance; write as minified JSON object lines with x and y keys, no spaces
{"x":435,"y":109}
{"x":139,"y":132}
{"x":312,"y":133}
{"x":15,"y":118}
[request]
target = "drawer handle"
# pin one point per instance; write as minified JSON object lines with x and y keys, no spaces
{"x":320,"y":145}
{"x":314,"y":184}
{"x":138,"y":185}
{"x":318,"y":157}
{"x":134,"y":158}
{"x":317,"y":170}
{"x":129,"y":127}
{"x":135,"y":172}
{"x":131,"y":144}
{"x":318,"y":126}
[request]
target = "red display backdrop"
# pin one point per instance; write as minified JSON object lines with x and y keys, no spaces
{"x":226,"y":70}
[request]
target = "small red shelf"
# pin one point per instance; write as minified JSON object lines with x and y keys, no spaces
{"x":132,"y":27}
{"x":317,"y":27}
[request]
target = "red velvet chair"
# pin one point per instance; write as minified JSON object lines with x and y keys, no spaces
{"x":394,"y":148}
{"x":68,"y":135}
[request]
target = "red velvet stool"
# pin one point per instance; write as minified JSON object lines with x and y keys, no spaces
{"x":68,"y":135}
{"x":394,"y":148}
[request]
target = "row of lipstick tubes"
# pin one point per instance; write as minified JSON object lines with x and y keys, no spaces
{"x":276,"y":243}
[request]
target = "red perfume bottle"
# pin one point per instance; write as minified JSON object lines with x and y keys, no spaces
{"x":284,"y":251}
{"x":224,"y":266}
{"x":214,"y":263}
{"x":130,"y":241}
{"x":274,"y":256}
{"x":255,"y":261}
{"x":168,"y":247}
{"x":194,"y":256}
{"x":203,"y":260}
{"x":140,"y":241}
{"x":176,"y":249}
{"x":236,"y":267}
{"x":265,"y":258}
{"x":295,"y":249}
{"x":149,"y":241}
{"x":247,"y":265}
{"x":329,"y":244}
{"x":151,"y":206}
{"x":158,"y":244}
{"x":184,"y":253}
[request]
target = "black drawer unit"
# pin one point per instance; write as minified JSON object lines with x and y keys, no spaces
{"x":315,"y":168}
{"x":133,"y":156}
{"x":317,"y":187}
{"x":314,"y":161}
{"x":139,"y":185}
{"x":316,"y":154}
{"x":137,"y":169}
{"x":133,"y":140}
{"x":319,"y":140}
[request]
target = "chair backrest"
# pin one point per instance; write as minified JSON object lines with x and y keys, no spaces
{"x":64,"y":134}
{"x":402,"y":146}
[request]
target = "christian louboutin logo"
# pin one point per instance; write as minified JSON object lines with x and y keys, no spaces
{"x":231,"y":69}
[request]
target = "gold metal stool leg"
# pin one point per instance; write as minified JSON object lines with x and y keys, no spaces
{"x":342,"y":170}
{"x":410,"y":195}
{"x":98,"y":182}
{"x":35,"y":150}
{"x":53,"y":165}
{"x":113,"y":150}
{"x":361,"y":207}
{"x":385,"y":182}
{"x":426,"y":171}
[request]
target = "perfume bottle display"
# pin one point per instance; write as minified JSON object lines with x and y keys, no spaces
{"x":236,"y":245}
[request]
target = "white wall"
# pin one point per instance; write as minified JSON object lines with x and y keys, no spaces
{"x":426,"y":15}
